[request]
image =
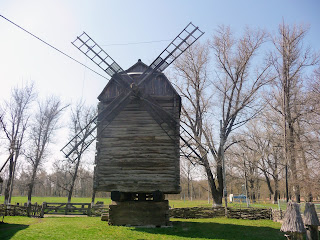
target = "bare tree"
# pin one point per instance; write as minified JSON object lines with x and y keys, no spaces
{"x":289,"y":60}
{"x":42,"y":130}
{"x":81,"y":117}
{"x":60,"y":180}
{"x":237,"y":85}
{"x":187,"y":169}
{"x":191,"y":69}
{"x":14,"y":122}
{"x":246,"y":162}
{"x":262,"y":139}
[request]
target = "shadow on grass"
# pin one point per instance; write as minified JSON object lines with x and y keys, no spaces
{"x":8,"y":230}
{"x":215,"y":231}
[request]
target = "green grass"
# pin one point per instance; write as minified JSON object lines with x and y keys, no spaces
{"x":172,"y":203}
{"x":93,"y":228}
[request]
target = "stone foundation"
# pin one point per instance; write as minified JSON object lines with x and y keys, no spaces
{"x":139,"y":213}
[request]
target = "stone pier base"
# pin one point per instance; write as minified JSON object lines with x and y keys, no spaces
{"x":139,"y":213}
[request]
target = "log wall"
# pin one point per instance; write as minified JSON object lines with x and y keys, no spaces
{"x":135,"y":153}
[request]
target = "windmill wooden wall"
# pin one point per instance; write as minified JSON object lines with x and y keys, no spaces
{"x":134,"y":153}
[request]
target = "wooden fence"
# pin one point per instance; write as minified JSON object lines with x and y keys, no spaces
{"x":66,"y":208}
{"x":38,"y":210}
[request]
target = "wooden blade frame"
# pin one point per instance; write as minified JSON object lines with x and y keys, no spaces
{"x":108,"y":114}
{"x":96,"y":54}
{"x":179,"y":45}
{"x":188,"y":149}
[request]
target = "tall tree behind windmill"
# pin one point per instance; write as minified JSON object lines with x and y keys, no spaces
{"x":81,"y":116}
{"x":192,"y":80}
{"x":14,"y":123}
{"x":43,"y":128}
{"x":289,"y":60}
{"x":237,"y":86}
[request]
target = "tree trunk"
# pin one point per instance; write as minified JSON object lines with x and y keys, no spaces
{"x":252,"y":190}
{"x":74,"y":177}
{"x":276,"y":189}
{"x":93,"y":197}
{"x":7,"y":190}
{"x":13,"y":173}
{"x":188,"y":182}
{"x":268,"y":183}
{"x":293,"y":164}
{"x":216,"y":194}
{"x":307,"y":182}
{"x":31,"y":184}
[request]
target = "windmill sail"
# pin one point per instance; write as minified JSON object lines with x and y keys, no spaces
{"x":87,"y":135}
{"x":96,"y":54}
{"x":179,"y":45}
{"x":190,"y":148}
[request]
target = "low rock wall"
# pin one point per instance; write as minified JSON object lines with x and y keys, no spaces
{"x":20,"y":210}
{"x":250,"y":213}
{"x":196,"y":212}
{"x":277,"y":215}
{"x":202,"y":212}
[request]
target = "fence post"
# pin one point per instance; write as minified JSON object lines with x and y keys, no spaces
{"x":89,"y":210}
{"x":66,"y":210}
{"x":44,"y":205}
{"x":35,"y":208}
{"x":28,"y":209}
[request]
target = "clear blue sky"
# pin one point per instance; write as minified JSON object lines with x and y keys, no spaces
{"x":24,"y":58}
{"x":120,"y":22}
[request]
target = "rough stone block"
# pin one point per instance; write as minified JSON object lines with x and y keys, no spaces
{"x":139,"y":213}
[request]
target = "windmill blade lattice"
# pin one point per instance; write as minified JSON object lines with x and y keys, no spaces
{"x":87,"y":135}
{"x":80,"y":142}
{"x":189,"y":146}
{"x":180,"y":44}
{"x":93,"y":51}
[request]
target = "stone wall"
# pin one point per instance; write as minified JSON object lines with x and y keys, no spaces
{"x":202,"y":212}
{"x":20,"y":210}
{"x":196,"y":212}
{"x":277,"y":215}
{"x":250,"y":213}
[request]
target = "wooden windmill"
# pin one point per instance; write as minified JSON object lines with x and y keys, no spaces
{"x":137,"y":133}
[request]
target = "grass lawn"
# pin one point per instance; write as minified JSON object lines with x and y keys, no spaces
{"x":93,"y":228}
{"x":172,"y":203}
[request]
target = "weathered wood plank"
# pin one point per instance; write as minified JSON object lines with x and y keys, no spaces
{"x":134,"y":153}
